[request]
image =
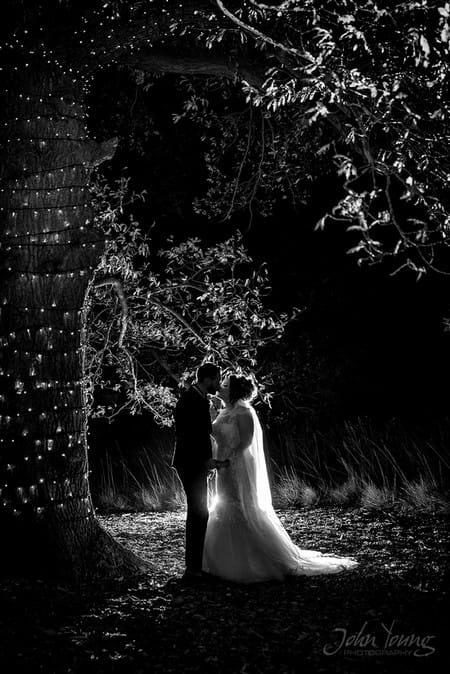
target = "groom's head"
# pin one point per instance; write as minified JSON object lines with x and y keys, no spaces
{"x":208,"y":375}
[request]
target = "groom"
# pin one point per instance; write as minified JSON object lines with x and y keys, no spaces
{"x":192,"y":459}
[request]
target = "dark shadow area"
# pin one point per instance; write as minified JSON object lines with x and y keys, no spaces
{"x":162,"y":623}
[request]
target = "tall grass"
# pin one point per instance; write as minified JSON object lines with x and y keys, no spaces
{"x":362,"y":464}
{"x":133,"y":471}
{"x":356,"y":464}
{"x":149,"y":489}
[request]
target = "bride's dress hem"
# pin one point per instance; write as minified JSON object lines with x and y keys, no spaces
{"x":245,"y":540}
{"x":290,"y":574}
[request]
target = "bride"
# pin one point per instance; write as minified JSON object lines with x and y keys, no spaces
{"x":245,"y":540}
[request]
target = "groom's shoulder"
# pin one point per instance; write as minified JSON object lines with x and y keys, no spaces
{"x":193,"y":395}
{"x":188,"y":395}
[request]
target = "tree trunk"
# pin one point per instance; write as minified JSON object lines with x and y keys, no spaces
{"x":49,"y":250}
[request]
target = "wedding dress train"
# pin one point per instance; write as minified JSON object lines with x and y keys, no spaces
{"x":245,"y":540}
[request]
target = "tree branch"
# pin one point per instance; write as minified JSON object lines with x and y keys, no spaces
{"x":179,"y":318}
{"x":145,"y":24}
{"x":200,"y":63}
{"x":264,"y":38}
{"x":116,"y":284}
{"x":100,"y":152}
{"x":286,"y":5}
{"x":139,"y":41}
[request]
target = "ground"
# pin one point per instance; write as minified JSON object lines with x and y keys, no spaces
{"x":158,"y":623}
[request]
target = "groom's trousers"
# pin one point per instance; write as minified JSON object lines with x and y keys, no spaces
{"x":196,"y":489}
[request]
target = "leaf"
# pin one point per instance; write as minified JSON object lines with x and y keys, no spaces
{"x":425,"y":45}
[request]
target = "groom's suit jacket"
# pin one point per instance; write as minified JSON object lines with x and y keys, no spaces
{"x":193,"y":429}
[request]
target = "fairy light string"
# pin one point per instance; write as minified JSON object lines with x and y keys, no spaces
{"x":49,"y":247}
{"x":47,"y":413}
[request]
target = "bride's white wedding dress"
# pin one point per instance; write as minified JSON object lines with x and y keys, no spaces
{"x":245,"y":540}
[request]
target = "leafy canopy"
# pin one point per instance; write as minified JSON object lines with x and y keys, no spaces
{"x":360,"y":87}
{"x":152,"y":322}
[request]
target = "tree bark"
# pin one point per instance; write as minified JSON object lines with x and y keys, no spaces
{"x":49,"y":251}
{"x":195,"y":63}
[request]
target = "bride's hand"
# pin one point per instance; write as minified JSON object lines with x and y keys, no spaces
{"x":222,"y":464}
{"x":215,"y":407}
{"x":215,"y":464}
{"x":216,"y":402}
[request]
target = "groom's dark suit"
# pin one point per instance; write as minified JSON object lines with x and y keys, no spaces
{"x":192,"y":450}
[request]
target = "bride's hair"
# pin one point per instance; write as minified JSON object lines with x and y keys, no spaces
{"x":241,"y":388}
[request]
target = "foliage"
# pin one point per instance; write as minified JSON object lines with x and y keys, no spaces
{"x":172,"y":309}
{"x":358,"y":86}
{"x":305,"y":380}
{"x":250,"y":165}
{"x":361,"y":86}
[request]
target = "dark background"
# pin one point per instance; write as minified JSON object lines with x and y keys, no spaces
{"x":367,"y":343}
